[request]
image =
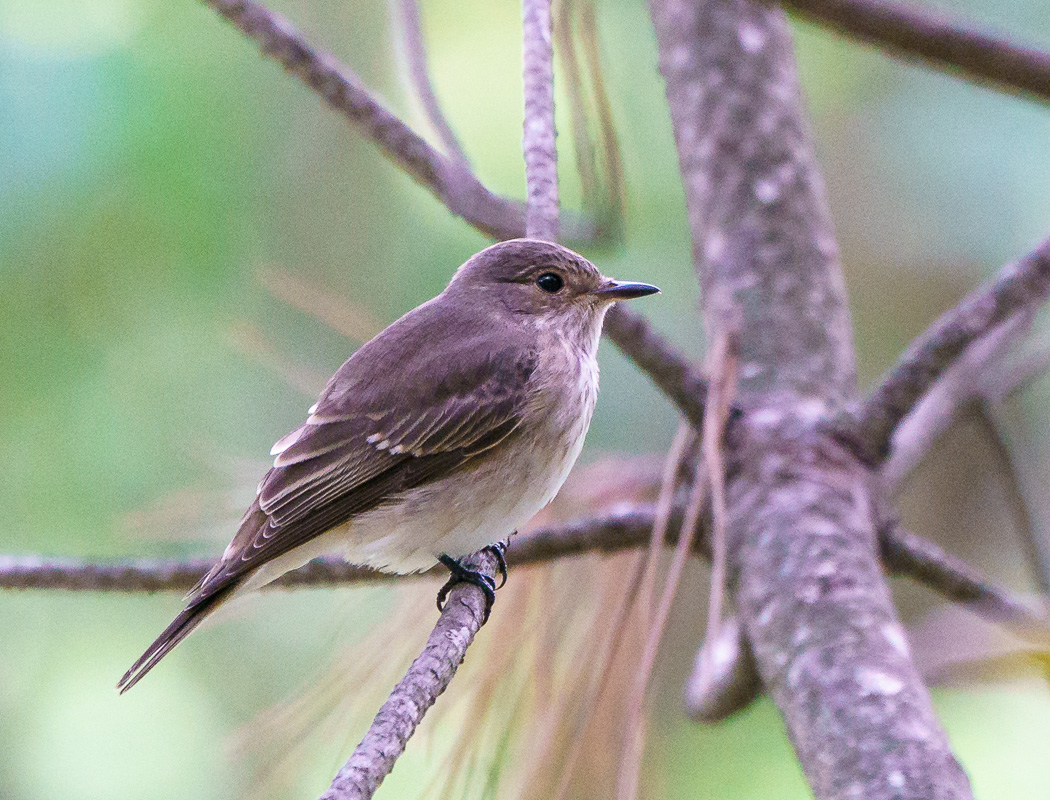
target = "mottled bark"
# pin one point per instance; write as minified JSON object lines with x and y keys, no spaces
{"x":808,"y":584}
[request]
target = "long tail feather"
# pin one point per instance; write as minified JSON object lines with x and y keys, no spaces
{"x":179,"y":629}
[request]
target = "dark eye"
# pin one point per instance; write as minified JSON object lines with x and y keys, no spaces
{"x":550,"y":282}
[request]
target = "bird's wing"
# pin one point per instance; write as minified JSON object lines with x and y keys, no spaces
{"x":381,"y":427}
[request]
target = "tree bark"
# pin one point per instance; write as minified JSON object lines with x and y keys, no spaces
{"x":802,"y":530}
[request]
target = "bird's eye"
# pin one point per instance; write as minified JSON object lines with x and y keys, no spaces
{"x":550,"y":282}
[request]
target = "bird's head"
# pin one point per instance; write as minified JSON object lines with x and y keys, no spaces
{"x":544,"y":282}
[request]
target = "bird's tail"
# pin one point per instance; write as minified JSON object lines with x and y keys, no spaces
{"x":181,"y":627}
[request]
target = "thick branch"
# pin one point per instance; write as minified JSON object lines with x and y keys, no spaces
{"x":1021,"y":286}
{"x":810,"y":591}
{"x":428,"y":677}
{"x":914,"y":34}
{"x":455,"y":187}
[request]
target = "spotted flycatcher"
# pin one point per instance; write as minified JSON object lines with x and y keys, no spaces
{"x":441,"y":436}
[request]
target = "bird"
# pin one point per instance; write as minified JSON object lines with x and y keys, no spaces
{"x":439,"y":437}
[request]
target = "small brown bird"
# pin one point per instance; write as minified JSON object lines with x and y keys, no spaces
{"x":439,"y":437}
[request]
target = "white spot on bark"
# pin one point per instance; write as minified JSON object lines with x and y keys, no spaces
{"x":714,"y":246}
{"x":766,"y":191}
{"x":751,"y":370}
{"x":873,"y":681}
{"x":896,"y":779}
{"x":752,"y":39}
{"x":895,"y":636}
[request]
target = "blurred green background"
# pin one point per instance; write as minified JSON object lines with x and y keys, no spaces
{"x":164,"y":191}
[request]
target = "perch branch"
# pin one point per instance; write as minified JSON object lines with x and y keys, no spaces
{"x":953,"y":47}
{"x":429,"y":675}
{"x":1020,"y":286}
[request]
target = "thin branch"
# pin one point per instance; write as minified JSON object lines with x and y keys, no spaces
{"x":428,"y":677}
{"x":344,"y":91}
{"x":673,"y":374}
{"x":613,"y":532}
{"x":1020,"y":286}
{"x":954,"y":47}
{"x":416,"y":55}
{"x":538,"y":140}
{"x":952,"y":578}
{"x":961,"y":384}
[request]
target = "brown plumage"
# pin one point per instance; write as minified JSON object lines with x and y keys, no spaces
{"x":441,"y":435}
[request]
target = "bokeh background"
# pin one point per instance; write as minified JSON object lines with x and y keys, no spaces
{"x":190,"y":243}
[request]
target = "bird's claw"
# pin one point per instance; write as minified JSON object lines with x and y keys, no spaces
{"x":461,"y":574}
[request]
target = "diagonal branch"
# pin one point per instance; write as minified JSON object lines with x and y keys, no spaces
{"x":952,"y":47}
{"x":1023,"y":285}
{"x":959,"y":386}
{"x":429,"y":675}
{"x":673,"y":374}
{"x":458,"y":189}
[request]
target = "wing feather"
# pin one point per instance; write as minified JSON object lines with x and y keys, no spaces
{"x":392,"y":418}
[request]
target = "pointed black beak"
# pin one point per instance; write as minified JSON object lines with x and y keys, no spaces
{"x":624,"y":290}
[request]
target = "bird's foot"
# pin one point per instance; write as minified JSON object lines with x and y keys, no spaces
{"x":461,"y":574}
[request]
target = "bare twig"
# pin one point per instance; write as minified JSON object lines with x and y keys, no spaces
{"x":952,"y":578}
{"x":723,"y":369}
{"x":954,"y":47}
{"x":1020,"y":286}
{"x":456,"y":188}
{"x":538,"y":141}
{"x":674,"y":375}
{"x":416,"y":55}
{"x":427,"y":678}
{"x":959,"y":386}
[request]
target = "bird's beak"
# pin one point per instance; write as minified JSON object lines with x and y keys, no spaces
{"x":623,"y":290}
